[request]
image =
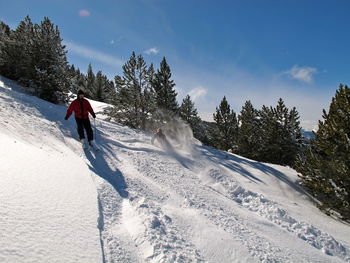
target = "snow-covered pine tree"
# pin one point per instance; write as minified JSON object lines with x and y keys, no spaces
{"x":249,"y":131}
{"x":227,"y":126}
{"x":325,"y":168}
{"x":164,"y":87}
{"x":50,"y":63}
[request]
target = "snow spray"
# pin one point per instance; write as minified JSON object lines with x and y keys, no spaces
{"x":177,"y":131}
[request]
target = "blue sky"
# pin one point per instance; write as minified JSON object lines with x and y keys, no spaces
{"x":259,"y":50}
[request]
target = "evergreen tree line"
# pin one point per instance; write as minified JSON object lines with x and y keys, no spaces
{"x":274,"y":135}
{"x":33,"y":55}
{"x":95,"y":86}
{"x":271,"y":134}
{"x":146,"y":98}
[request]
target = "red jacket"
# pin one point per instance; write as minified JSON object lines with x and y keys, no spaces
{"x":81,"y":109}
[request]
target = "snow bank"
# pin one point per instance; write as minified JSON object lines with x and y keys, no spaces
{"x":48,"y":201}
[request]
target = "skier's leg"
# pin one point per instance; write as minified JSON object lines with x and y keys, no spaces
{"x":89,"y":132}
{"x":80,"y":127}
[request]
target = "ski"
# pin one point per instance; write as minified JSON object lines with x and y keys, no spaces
{"x":94,"y":146}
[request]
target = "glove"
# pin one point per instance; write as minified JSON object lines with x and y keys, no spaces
{"x":66,"y":118}
{"x":93,"y":115}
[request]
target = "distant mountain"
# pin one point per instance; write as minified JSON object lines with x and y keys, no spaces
{"x":308,"y":134}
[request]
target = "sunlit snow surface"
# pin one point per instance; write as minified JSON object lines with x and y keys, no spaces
{"x":137,"y":202}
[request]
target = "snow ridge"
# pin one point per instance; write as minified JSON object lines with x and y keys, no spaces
{"x":268,"y":209}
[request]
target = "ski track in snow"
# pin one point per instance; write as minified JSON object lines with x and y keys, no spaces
{"x":172,"y":206}
{"x":149,"y":166}
{"x":270,"y":210}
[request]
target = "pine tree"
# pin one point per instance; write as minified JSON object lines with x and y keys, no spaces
{"x":99,"y":93}
{"x":227,"y":126}
{"x":4,"y":32}
{"x":249,"y":131}
{"x":280,"y":134}
{"x":188,"y":113}
{"x":164,"y":87}
{"x":148,"y":96}
{"x":268,"y":133}
{"x":110,"y":92}
{"x":50,"y":63}
{"x":294,"y":141}
{"x":17,"y":53}
{"x":4,"y":39}
{"x":77,"y":79}
{"x":325,"y":168}
{"x":135,"y":98}
{"x":90,"y":83}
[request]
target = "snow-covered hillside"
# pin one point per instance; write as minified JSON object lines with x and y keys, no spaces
{"x":135,"y":202}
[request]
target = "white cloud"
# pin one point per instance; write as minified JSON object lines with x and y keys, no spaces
{"x":152,"y":50}
{"x":93,"y":54}
{"x":304,"y":74}
{"x":198,"y":92}
{"x":115,"y":41}
{"x":84,"y":12}
{"x":238,"y":86}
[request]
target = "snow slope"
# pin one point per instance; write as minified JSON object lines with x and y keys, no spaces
{"x":135,"y":202}
{"x":48,"y":202}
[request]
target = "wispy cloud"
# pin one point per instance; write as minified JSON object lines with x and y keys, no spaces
{"x":152,"y":50}
{"x":93,"y":54}
{"x":304,"y":74}
{"x":198,"y":92}
{"x":84,"y":12}
{"x":239,"y":85}
{"x":115,"y":40}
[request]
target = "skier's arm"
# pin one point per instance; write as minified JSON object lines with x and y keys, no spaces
{"x":91,"y":110}
{"x":69,"y":111}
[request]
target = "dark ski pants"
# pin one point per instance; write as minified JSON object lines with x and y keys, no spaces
{"x":84,"y":124}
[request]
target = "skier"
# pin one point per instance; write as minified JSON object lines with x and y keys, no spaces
{"x":161,"y":138}
{"x":82,"y":108}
